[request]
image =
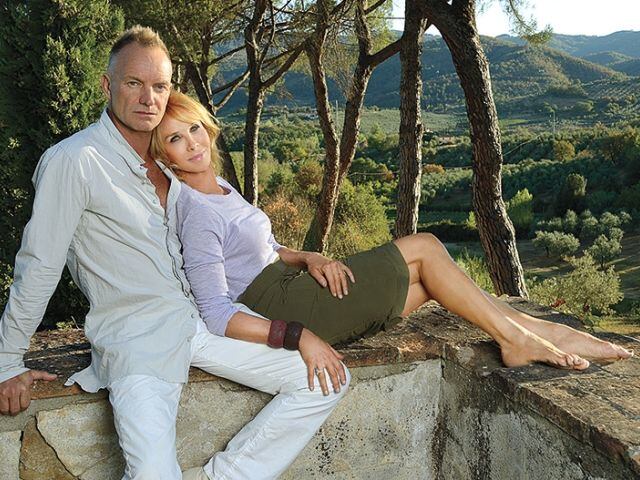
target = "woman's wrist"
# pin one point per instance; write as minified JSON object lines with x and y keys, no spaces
{"x":285,"y":335}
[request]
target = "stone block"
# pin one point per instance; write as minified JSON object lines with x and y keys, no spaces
{"x":381,"y":429}
{"x":38,"y":461}
{"x":210,"y":414}
{"x":84,"y":439}
{"x":10,"y":454}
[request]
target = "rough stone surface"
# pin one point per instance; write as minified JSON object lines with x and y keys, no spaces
{"x":10,"y":454}
{"x":483,"y":434}
{"x":382,"y":429}
{"x":403,"y":402}
{"x":210,"y":414}
{"x":84,"y":439}
{"x":38,"y":461}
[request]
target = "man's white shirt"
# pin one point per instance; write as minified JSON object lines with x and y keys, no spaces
{"x":96,"y":210}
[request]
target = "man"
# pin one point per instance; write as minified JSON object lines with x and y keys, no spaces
{"x":101,"y":205}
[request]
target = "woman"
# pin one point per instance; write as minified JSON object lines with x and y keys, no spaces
{"x":229,"y":253}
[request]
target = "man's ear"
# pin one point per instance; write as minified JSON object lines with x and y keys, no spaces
{"x":105,"y":84}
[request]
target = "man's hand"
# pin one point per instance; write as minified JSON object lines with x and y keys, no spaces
{"x":15,"y":393}
{"x":330,"y":273}
{"x":319,"y":357}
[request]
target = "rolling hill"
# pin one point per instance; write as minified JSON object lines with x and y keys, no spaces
{"x":524,"y":77}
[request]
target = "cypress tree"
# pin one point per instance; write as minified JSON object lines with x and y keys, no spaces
{"x":52,"y":53}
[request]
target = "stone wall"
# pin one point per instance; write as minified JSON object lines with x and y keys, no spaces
{"x":428,"y":400}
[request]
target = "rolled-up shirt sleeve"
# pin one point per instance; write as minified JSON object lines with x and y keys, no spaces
{"x":62,"y":194}
{"x":204,"y":266}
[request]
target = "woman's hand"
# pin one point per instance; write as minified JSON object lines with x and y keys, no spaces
{"x":320,"y":357}
{"x":329,"y":272}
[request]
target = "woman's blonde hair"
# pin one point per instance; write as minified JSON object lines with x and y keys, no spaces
{"x":186,"y":109}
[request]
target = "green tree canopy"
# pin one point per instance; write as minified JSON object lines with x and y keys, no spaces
{"x":52,"y":55}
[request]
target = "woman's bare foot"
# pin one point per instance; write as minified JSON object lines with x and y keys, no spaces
{"x":571,"y":340}
{"x":530,"y":348}
{"x":563,"y":337}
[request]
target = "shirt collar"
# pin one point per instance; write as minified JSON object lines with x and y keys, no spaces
{"x":133,"y":160}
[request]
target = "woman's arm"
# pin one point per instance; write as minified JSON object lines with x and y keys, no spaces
{"x":327,"y":272}
{"x":317,"y":354}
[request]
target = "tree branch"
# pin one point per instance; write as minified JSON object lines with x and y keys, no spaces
{"x":384,"y":53}
{"x":284,"y":67}
{"x":238,"y":80}
{"x":226,"y":54}
{"x":234,"y":86}
{"x":374,"y":7}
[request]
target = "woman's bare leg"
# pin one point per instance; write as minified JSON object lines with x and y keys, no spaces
{"x":431,"y":266}
{"x":562,"y":336}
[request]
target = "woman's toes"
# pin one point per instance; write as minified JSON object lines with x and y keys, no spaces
{"x":580,"y":363}
{"x":621,"y":351}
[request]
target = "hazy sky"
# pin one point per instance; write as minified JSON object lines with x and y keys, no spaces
{"x":573,"y":17}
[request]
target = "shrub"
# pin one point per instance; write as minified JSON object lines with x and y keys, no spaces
{"x":289,"y":220}
{"x":520,"y":211}
{"x":570,"y":222}
{"x":626,"y":217}
{"x":471,"y":221}
{"x":572,"y":194}
{"x":622,"y":146}
{"x":563,"y":150}
{"x":583,"y":292}
{"x":476,"y":268}
{"x":556,"y":243}
{"x":360,"y":221}
{"x":589,"y":227}
{"x":309,"y":178}
{"x":605,"y":249}
{"x":552,"y":225}
{"x":609,"y":221}
{"x":432,"y":168}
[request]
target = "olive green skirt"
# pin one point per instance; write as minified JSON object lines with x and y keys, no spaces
{"x":375,"y":301}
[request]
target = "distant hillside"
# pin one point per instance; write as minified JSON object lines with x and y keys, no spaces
{"x":524,"y":77}
{"x":624,"y":43}
{"x":516,"y":70}
{"x":630,"y":67}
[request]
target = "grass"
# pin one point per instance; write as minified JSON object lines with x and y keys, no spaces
{"x":627,"y":264}
{"x":389,"y":121}
{"x":626,"y":321}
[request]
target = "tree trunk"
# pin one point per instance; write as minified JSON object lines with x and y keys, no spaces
{"x":251,"y":128}
{"x":228,"y":169}
{"x":410,"y":134}
{"x":457,"y":24}
{"x":318,"y":233}
{"x":339,"y":158}
{"x":255,"y":102}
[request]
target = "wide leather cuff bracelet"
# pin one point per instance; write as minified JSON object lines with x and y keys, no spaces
{"x":277,"y":333}
{"x":292,"y":337}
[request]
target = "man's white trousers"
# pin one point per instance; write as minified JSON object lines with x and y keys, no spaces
{"x":145,"y":410}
